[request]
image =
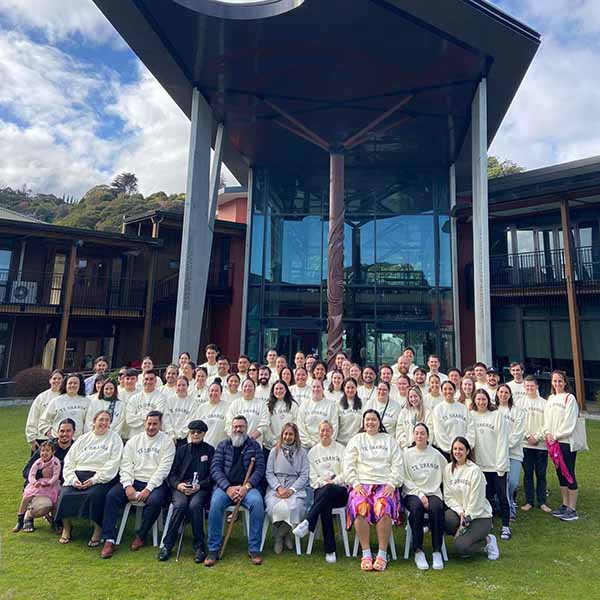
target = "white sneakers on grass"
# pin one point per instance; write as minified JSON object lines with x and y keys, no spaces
{"x":330,"y":557}
{"x":301,"y":529}
{"x":438,"y":561}
{"x":493,"y":553}
{"x":421,"y":560}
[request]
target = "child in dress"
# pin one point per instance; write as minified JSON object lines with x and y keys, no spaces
{"x":48,"y":485}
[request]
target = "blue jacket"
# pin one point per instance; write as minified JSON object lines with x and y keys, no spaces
{"x":223,"y":459}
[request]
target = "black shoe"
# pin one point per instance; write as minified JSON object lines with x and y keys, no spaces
{"x":200,"y":555}
{"x":211,"y":559}
{"x":164,"y":554}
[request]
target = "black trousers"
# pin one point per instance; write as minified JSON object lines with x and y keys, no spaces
{"x":535,"y":461}
{"x":192,"y":508}
{"x":569,"y":458}
{"x":117,"y":499}
{"x":416,"y":518}
{"x":496,"y":485}
{"x":326,"y":498}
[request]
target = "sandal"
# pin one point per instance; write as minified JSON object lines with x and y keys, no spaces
{"x":63,"y":539}
{"x":366,"y":563}
{"x":379,"y":564}
{"x":526,"y":507}
{"x":93,"y":543}
{"x":545,"y":508}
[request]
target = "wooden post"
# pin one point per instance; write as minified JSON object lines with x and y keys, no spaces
{"x":67,"y":296}
{"x":572,"y":302}
{"x":335,"y":258}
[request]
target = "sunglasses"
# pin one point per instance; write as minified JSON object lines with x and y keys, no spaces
{"x":196,"y":431}
{"x":252,"y":369}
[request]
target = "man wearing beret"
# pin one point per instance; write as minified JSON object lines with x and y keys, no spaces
{"x":191,"y":484}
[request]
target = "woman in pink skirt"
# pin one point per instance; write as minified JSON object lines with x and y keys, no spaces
{"x":373,"y":467}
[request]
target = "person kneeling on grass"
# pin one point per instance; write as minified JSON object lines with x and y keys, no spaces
{"x":228,"y":471}
{"x":469,"y":514}
{"x":373,"y":467}
{"x":47,"y":486}
{"x":146,"y":463}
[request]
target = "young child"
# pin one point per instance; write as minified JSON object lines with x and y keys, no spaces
{"x":48,"y":485}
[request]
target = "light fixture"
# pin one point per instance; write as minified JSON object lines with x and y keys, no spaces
{"x":240,"y":9}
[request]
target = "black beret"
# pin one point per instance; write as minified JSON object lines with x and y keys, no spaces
{"x":198,"y":425}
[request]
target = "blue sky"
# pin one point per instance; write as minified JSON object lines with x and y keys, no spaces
{"x":77,"y":106}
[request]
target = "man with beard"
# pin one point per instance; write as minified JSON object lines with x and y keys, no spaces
{"x":228,"y":471}
{"x":367,"y":390}
{"x":401,"y":367}
{"x":263,"y":390}
{"x":243,"y":364}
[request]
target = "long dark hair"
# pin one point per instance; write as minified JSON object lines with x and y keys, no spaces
{"x":78,"y":376}
{"x":372,"y":411}
{"x":490,"y":405}
{"x":288,"y":398}
{"x":357,"y":404}
{"x":511,"y":401}
{"x":466,"y":444}
{"x":103,"y":396}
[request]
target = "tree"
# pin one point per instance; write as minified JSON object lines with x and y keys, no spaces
{"x":499,"y":168}
{"x":125,"y":183}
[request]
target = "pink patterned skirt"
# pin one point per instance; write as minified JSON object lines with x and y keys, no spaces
{"x":374,"y":505}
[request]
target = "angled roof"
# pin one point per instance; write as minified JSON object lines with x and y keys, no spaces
{"x":12,"y":215}
{"x":335,"y":66}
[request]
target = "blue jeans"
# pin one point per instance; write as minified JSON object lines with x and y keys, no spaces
{"x":252,"y":501}
{"x":513,"y":482}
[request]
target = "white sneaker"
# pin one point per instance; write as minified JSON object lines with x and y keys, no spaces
{"x":301,"y":529}
{"x":421,"y":561}
{"x":493,"y":553}
{"x":330,"y":557}
{"x":438,"y":561}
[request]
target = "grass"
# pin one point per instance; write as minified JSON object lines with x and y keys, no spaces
{"x":546,"y":558}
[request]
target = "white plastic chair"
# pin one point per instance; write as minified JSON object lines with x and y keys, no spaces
{"x":341,"y":514}
{"x":392,"y":545}
{"x":139,"y":507}
{"x":409,"y":536}
{"x":266,"y":524}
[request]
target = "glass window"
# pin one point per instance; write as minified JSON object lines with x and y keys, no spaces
{"x":537,"y":345}
{"x":445,"y":252}
{"x":301,"y":250}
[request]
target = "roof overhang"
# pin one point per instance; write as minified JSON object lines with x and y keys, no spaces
{"x":336,"y":66}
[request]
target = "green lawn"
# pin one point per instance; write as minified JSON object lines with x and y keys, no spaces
{"x":545,"y":559}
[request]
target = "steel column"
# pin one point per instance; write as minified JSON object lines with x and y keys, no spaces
{"x":454,"y":258}
{"x":247,"y":249}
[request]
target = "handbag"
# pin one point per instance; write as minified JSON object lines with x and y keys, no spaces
{"x":579,"y":435}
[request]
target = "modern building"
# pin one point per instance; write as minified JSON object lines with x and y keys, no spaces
{"x":353,"y":124}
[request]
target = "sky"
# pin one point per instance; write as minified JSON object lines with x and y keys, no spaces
{"x":77,"y":107}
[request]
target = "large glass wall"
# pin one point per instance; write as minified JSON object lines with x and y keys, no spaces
{"x":396,"y":263}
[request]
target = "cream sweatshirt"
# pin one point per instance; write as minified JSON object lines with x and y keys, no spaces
{"x":407,"y":419}
{"x":178,"y":414}
{"x":125,"y":396}
{"x":200,"y":395}
{"x":214,"y":417}
{"x":326,"y":464}
{"x":147,"y":459}
{"x":350,"y":420}
{"x":518,"y":390}
{"x":515,"y":422}
{"x":560,"y":417}
{"x":464,"y":491}
{"x":334,"y":396}
{"x":277,"y":420}
{"x":118,"y":414}
{"x":365,"y":394}
{"x":263,"y":393}
{"x":139,"y":405}
{"x":430,"y":402}
{"x":450,"y":420}
{"x":423,"y":472}
{"x":92,"y":452}
{"x":373,"y":459}
{"x":33,"y":431}
{"x":167,"y":391}
{"x":533,"y":408}
{"x":140,"y":382}
{"x":212,"y":369}
{"x":491,"y":441}
{"x":65,"y":407}
{"x":256,"y":414}
{"x":310,"y":415}
{"x":301,"y":394}
{"x":229,"y":397}
{"x":389,"y":414}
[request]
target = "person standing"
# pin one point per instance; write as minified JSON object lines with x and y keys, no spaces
{"x":350,"y":411}
{"x":179,"y":411}
{"x":387,"y":408}
{"x":71,"y":404}
{"x":143,"y":402}
{"x":169,"y":389}
{"x":517,"y":384}
{"x":109,"y":401}
{"x":313,"y":412}
{"x":368,"y":391}
{"x":253,"y":409}
{"x":433,"y":362}
{"x":33,"y":432}
{"x":282,"y":409}
{"x":408,"y":418}
{"x":211,"y":352}
{"x":300,"y":391}
{"x":100,"y":368}
{"x":214,"y":413}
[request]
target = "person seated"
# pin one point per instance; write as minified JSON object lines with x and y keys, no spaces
{"x":228,"y":471}
{"x":287,"y":478}
{"x":90,"y":471}
{"x":33,"y":432}
{"x":41,"y":506}
{"x":146,"y":463}
{"x":468,"y":515}
{"x":423,"y":472}
{"x":191,"y":485}
{"x":46,"y":486}
{"x":373,"y":467}
{"x":71,"y":404}
{"x":108,"y":399}
{"x":325,"y":460}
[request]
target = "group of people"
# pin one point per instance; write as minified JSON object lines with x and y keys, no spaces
{"x":444,"y":451}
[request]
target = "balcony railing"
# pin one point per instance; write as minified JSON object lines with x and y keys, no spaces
{"x":544,"y":268}
{"x":39,"y":288}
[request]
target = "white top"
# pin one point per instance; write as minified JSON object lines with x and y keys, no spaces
{"x":430,"y":402}
{"x":326,"y":464}
{"x":334,"y":396}
{"x":423,"y":472}
{"x":491,"y":441}
{"x":450,"y":420}
{"x":350,"y":420}
{"x":464,"y":491}
{"x":168,"y":391}
{"x":256,"y":414}
{"x":139,"y":405}
{"x":178,"y":414}
{"x":200,"y":395}
{"x":533,"y":408}
{"x":33,"y":430}
{"x":92,"y":452}
{"x":212,"y":369}
{"x":491,"y":392}
{"x":214,"y":416}
{"x":263,"y":393}
{"x":407,"y":419}
{"x":515,"y":421}
{"x":389,"y":414}
{"x":365,"y":394}
{"x":229,"y":397}
{"x":147,"y":459}
{"x":560,"y":417}
{"x":281,"y":415}
{"x":373,"y":459}
{"x":65,"y":407}
{"x":310,"y":415}
{"x":301,"y":394}
{"x":443,"y":377}
{"x":518,"y":390}
{"x":140,"y":382}
{"x":118,"y":415}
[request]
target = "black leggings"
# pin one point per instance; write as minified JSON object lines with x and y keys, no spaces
{"x":569,"y":458}
{"x":326,"y":498}
{"x":416,"y":519}
{"x":496,"y":485}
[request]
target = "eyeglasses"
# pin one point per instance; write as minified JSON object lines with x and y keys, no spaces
{"x":252,"y":369}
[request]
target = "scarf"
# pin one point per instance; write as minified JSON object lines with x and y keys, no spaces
{"x":288,"y":451}
{"x":559,"y":462}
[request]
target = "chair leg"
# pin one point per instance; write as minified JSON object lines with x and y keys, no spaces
{"x":298,"y":545}
{"x":155,"y":533}
{"x":393,"y":545}
{"x":166,"y":525}
{"x":356,"y":542}
{"x":344,"y":534}
{"x":311,"y":539}
{"x":123,"y":523}
{"x":408,"y":541}
{"x":444,"y":551}
{"x":264,"y":532}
